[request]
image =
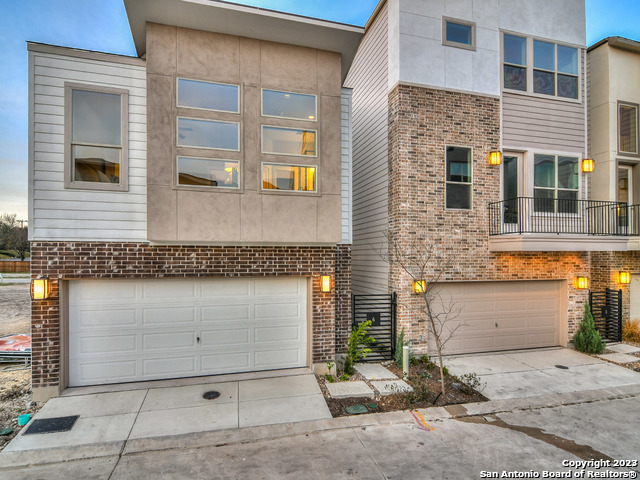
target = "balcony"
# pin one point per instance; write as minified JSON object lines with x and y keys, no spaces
{"x":550,"y":224}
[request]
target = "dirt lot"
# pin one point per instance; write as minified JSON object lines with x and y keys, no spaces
{"x":15,"y":380}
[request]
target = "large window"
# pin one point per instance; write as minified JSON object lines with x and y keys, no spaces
{"x":555,"y":184}
{"x":540,"y":67}
{"x":288,"y":141}
{"x":198,"y":133}
{"x":294,"y":178}
{"x":96,"y":137}
{"x":208,"y":96}
{"x":627,"y":128}
{"x":208,"y":172}
{"x":458,"y":177}
{"x":296,"y":106}
{"x":458,"y":33}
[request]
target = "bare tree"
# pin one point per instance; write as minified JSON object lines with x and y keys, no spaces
{"x":424,"y":262}
{"x":13,"y":235}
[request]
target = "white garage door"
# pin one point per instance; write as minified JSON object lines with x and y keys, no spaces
{"x":504,"y":315}
{"x":132,"y":330}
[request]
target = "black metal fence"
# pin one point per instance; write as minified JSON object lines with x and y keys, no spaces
{"x":606,"y":308}
{"x":381,"y":310}
{"x":563,"y":216}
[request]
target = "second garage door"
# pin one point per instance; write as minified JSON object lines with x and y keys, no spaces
{"x":132,"y":330}
{"x":505,"y":315}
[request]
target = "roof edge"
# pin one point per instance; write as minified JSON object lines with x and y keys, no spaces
{"x":618,"y":42}
{"x":87,"y":54}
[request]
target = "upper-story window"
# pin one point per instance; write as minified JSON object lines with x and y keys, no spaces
{"x":197,"y":133}
{"x":537,"y":66}
{"x":96,"y":137}
{"x":458,"y":33}
{"x":293,"y":178}
{"x":627,"y":128}
{"x":208,"y":96}
{"x":555,"y":183}
{"x":296,"y":106}
{"x":208,"y":172}
{"x":458,"y":178}
{"x":288,"y":141}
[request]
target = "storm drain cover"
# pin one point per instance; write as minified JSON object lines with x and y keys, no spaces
{"x":52,"y":425}
{"x":357,"y":409}
{"x":211,"y":395}
{"x":562,"y":367}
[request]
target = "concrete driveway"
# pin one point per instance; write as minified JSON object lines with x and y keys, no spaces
{"x":547,"y":371}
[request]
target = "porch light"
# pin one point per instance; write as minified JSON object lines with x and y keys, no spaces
{"x":40,"y":288}
{"x":624,"y":277}
{"x":581,"y":283}
{"x":495,"y":158}
{"x":588,"y":165}
{"x":419,"y":286}
{"x":326,"y":283}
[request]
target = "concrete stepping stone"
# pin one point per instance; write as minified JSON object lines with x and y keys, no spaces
{"x":619,"y":358}
{"x":349,"y":389}
{"x":389,"y":387}
{"x":623,"y":348}
{"x":373,"y":371}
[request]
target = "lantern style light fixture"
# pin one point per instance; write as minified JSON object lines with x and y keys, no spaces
{"x":40,"y":288}
{"x":325,"y":281}
{"x":581,"y":283}
{"x":419,"y":286}
{"x":624,"y":277}
{"x":588,"y":165}
{"x":495,"y":157}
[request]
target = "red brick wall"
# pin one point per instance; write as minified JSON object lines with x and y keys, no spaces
{"x":77,"y":260}
{"x":343,"y":296}
{"x":604,"y":274}
{"x":422,"y":123}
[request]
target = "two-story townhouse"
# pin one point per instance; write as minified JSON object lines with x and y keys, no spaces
{"x":438,"y":86}
{"x":190,"y":208}
{"x":614,"y":95}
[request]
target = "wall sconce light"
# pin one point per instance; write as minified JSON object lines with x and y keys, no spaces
{"x":581,"y":283}
{"x":624,"y":277}
{"x":40,"y":288}
{"x":419,"y":286}
{"x":325,"y":283}
{"x":588,"y":165}
{"x":495,"y":158}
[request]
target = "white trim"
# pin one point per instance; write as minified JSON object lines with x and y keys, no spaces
{"x":556,"y":243}
{"x":315,"y":104}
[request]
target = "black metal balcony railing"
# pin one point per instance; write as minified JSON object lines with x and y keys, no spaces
{"x":563,"y":216}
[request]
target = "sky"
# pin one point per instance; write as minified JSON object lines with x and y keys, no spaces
{"x":101,"y":25}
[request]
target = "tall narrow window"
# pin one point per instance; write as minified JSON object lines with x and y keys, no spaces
{"x":515,"y":62}
{"x":628,"y":128}
{"x":95,"y":142}
{"x":458,"y":178}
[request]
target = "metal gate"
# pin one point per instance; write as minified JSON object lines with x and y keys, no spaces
{"x":381,"y":310}
{"x":606,"y":308}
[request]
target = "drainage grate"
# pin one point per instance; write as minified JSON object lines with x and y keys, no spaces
{"x":52,"y":425}
{"x":210,"y":395}
{"x":562,"y":367}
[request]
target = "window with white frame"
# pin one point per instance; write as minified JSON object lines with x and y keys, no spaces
{"x":458,"y":177}
{"x":627,"y":128}
{"x":288,"y":141}
{"x":208,"y":172}
{"x":555,"y":183}
{"x":199,"y":133}
{"x":219,"y":97}
{"x":96,"y":137}
{"x":537,"y":66}
{"x":296,"y":106}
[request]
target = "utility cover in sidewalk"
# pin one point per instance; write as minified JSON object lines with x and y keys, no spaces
{"x":52,"y":425}
{"x":357,"y":409}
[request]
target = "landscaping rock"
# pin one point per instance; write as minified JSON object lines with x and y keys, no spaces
{"x":349,"y":389}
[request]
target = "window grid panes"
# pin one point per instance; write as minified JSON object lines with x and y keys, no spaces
{"x":458,"y":178}
{"x":208,"y":172}
{"x":288,"y":141}
{"x":628,"y":128}
{"x":96,"y":137}
{"x":293,"y":178}
{"x":555,"y":184}
{"x":515,"y":62}
{"x":208,"y":96}
{"x":297,"y":106}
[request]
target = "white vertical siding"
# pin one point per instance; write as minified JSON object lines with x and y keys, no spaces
{"x":346,"y":138}
{"x":57,"y":213}
{"x":368,"y":77}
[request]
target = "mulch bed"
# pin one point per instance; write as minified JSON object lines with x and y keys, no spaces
{"x":423,"y":377}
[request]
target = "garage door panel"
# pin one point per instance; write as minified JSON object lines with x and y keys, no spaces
{"x":506,"y":342}
{"x":475,"y":343}
{"x":153,"y":335}
{"x":511,"y":305}
{"x":477,"y":322}
{"x":511,"y":323}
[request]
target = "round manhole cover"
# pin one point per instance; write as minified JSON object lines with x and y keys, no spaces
{"x":211,"y":395}
{"x":562,"y":367}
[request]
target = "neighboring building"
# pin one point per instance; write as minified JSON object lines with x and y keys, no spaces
{"x":614,"y":96}
{"x":186,"y":203}
{"x":436,"y":87}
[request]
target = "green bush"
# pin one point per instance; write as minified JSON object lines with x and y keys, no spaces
{"x":358,"y":345}
{"x":587,"y":339}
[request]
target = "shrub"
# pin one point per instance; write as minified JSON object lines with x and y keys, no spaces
{"x":587,"y":339}
{"x":358,"y":345}
{"x":631,"y":331}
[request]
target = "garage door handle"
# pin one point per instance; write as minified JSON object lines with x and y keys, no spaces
{"x":496,"y":324}
{"x":198,"y":339}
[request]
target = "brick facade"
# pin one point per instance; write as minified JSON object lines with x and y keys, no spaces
{"x":604,"y":274}
{"x":422,"y":123}
{"x":89,"y":260}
